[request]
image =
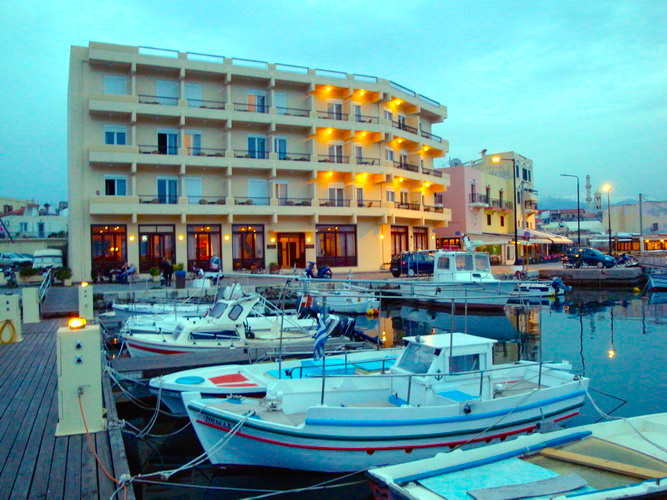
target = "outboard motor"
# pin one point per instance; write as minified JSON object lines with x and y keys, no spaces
{"x":557,"y":284}
{"x":345,"y":328}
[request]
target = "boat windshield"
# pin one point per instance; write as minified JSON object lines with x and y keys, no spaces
{"x":218,"y":309}
{"x":417,"y":358}
{"x":482,"y":263}
{"x":464,"y":262}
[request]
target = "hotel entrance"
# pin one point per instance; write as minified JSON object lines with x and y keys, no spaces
{"x":291,"y":250}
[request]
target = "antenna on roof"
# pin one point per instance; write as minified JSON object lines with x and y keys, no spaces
{"x":455,"y":162}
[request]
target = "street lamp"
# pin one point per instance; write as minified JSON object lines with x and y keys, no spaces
{"x":607,"y":188}
{"x":498,"y":159}
{"x":578,"y":210}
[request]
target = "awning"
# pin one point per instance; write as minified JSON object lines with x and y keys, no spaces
{"x":490,"y":238}
{"x":535,"y":236}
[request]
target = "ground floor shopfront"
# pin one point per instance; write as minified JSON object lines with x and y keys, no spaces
{"x":247,"y":245}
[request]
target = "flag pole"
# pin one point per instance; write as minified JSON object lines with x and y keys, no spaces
{"x":324,"y":351}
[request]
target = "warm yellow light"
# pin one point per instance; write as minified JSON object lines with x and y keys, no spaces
{"x":308,"y":239}
{"x":433,"y":236}
{"x":273,"y":240}
{"x":397,"y":102}
{"x":131,"y":237}
{"x":399,"y":140}
{"x":330,"y":174}
{"x":426,"y":148}
{"x":362,"y":92}
{"x":427,"y":184}
{"x":226,"y":237}
{"x":382,"y":236}
{"x":328,"y":88}
{"x":400,"y":179}
{"x":606,"y":188}
{"x":84,"y":284}
{"x":363,"y":176}
{"x":364,"y":134}
{"x":76,"y":323}
{"x":181,"y":237}
{"x":611,"y":353}
{"x":329,"y":130}
{"x":496,"y":159}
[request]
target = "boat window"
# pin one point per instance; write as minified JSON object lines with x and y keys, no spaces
{"x":218,"y":309}
{"x":417,"y":358}
{"x":225,"y":334}
{"x":482,"y":263}
{"x":235,"y":312}
{"x":467,"y":363}
{"x":464,"y":262}
{"x":428,"y":257}
{"x":443,"y":262}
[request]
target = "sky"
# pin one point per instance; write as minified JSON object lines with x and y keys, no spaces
{"x":578,"y":87}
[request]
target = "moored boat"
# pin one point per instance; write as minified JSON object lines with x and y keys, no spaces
{"x":657,"y":282}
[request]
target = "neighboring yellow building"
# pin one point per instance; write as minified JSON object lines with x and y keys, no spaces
{"x":185,"y":155}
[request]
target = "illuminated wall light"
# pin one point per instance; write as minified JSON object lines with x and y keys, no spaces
{"x":362,"y":92}
{"x":84,"y":284}
{"x":399,"y":140}
{"x":426,"y":148}
{"x":397,"y":102}
{"x":309,"y":239}
{"x":364,"y":134}
{"x":181,"y":237}
{"x":226,"y":237}
{"x":328,"y":88}
{"x":131,"y":237}
{"x":273,"y":240}
{"x":329,"y":130}
{"x":330,"y":174}
{"x":382,"y":236}
{"x":400,"y":179}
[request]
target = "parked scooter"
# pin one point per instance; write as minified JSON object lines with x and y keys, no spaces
{"x":627,"y":260}
{"x":10,"y":277}
{"x":323,"y":272}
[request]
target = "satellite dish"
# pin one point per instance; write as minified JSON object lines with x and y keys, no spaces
{"x":455,"y":162}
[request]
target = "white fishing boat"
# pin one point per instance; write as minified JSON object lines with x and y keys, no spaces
{"x":349,"y":299}
{"x":252,"y":380}
{"x":618,"y":459}
{"x":182,"y":309}
{"x":442,"y":392}
{"x":227,"y":325}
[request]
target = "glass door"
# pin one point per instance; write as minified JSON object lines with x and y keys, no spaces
{"x":167,"y":142}
{"x":257,"y":146}
{"x":291,"y":250}
{"x":155,"y":243}
{"x":280,"y":146}
{"x":167,"y":190}
{"x":193,"y":94}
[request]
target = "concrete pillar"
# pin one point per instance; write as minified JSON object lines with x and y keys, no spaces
{"x":10,"y":319}
{"x":86,"y":302}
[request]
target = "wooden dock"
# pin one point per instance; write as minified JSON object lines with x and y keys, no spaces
{"x":33,"y":462}
{"x":60,"y":301}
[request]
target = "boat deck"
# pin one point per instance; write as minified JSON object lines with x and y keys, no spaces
{"x":33,"y":462}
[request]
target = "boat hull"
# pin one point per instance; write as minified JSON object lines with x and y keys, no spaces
{"x":657,"y":282}
{"x":474,"y":295}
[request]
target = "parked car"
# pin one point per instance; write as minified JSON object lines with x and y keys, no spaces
{"x":587,"y":257}
{"x":11,"y":259}
{"x":412,"y":263}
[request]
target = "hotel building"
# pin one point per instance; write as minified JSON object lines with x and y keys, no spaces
{"x":183,"y":155}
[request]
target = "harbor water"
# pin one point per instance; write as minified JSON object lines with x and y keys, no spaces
{"x":616,"y":338}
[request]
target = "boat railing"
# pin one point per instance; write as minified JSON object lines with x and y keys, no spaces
{"x":337,"y":366}
{"x":47,"y":280}
{"x":285,"y":318}
{"x":341,"y":348}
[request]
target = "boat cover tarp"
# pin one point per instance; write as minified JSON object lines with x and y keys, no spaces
{"x":560,"y":484}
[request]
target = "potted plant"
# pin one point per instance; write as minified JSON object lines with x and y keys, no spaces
{"x":178,"y":267}
{"x":274,"y":268}
{"x":155,"y":273}
{"x":64,"y":274}
{"x":28,"y":274}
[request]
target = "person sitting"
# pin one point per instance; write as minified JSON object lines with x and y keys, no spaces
{"x":125,"y":276}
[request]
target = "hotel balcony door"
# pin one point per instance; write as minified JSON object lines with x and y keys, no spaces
{"x":291,"y":250}
{"x":155,"y":243}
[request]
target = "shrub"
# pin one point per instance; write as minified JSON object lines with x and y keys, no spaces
{"x":154,"y":271}
{"x":179,"y":267}
{"x":27,"y":271}
{"x":63,"y":273}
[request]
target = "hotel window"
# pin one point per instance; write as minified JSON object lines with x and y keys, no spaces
{"x":358,"y":153}
{"x":115,"y":134}
{"x":388,"y":115}
{"x":280,"y":147}
{"x":502,"y":221}
{"x":167,"y":92}
{"x":389,"y":154}
{"x":281,"y":191}
{"x":356,"y":111}
{"x":360,"y":196}
{"x":192,"y":142}
{"x":335,"y":152}
{"x":336,"y":245}
{"x":420,"y":236}
{"x":391,"y":195}
{"x":335,"y":110}
{"x":336,"y":195}
{"x":115,"y":84}
{"x":167,"y":141}
{"x":488,"y":219}
{"x":248,"y":246}
{"x":193,"y":94}
{"x":257,"y":147}
{"x":257,"y":101}
{"x":167,"y":190}
{"x":156,"y":242}
{"x":405,"y":195}
{"x":108,"y":249}
{"x":203,"y":243}
{"x":115,"y":185}
{"x":399,"y":240}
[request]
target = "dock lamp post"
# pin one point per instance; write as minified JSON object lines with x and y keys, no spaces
{"x":607,"y":188}
{"x":498,"y":159}
{"x":578,"y":209}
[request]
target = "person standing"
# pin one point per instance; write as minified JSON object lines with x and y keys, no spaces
{"x":167,"y":270}
{"x":214,"y":263}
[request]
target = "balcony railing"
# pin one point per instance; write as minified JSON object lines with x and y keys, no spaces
{"x":429,"y":135}
{"x":159,"y":199}
{"x":530,"y":205}
{"x":294,"y":156}
{"x":494,"y":202}
{"x":250,"y":108}
{"x":366,"y":119}
{"x":430,"y":171}
{"x":292,"y":111}
{"x":478,"y":198}
{"x":363,"y":160}
{"x":201,"y":103}
{"x":433,"y":208}
{"x":248,"y":153}
{"x":206,"y":200}
{"x":335,"y":203}
{"x":298,"y":202}
{"x":507,"y":205}
{"x":158,"y":150}
{"x":333,"y":159}
{"x":369,"y":203}
{"x":406,"y":166}
{"x":197,"y":151}
{"x":332,"y":115}
{"x":406,"y":206}
{"x":251,"y":200}
{"x":157,"y":99}
{"x":402,"y":126}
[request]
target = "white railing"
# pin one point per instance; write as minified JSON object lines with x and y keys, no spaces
{"x":45,"y":284}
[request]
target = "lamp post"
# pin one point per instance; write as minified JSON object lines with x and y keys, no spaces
{"x":607,"y":188}
{"x":578,"y":210}
{"x":498,"y":159}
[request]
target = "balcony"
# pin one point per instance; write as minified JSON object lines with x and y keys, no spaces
{"x":333,"y":159}
{"x":530,"y":205}
{"x":294,"y":156}
{"x":478,"y":200}
{"x":156,"y":99}
{"x":197,"y":151}
{"x":206,"y":200}
{"x":363,"y":160}
{"x":430,"y":136}
{"x":159,"y":199}
{"x":402,"y":126}
{"x":433,"y":209}
{"x":251,"y":200}
{"x":248,"y":153}
{"x":145,"y":149}
{"x":366,"y":119}
{"x":201,"y":103}
{"x":429,"y":171}
{"x":403,"y":165}
{"x":250,"y":108}
{"x":407,"y":206}
{"x":369,"y":203}
{"x":335,"y":203}
{"x":295,"y":202}
{"x":332,"y":115}
{"x":292,"y":111}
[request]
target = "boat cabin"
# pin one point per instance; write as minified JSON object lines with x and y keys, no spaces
{"x":442,"y":366}
{"x":457,"y":266}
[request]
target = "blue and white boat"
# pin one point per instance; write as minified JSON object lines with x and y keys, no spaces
{"x":617,"y":459}
{"x":657,"y":282}
{"x":443,"y":391}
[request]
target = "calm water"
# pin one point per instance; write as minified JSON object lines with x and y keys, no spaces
{"x":617,"y":339}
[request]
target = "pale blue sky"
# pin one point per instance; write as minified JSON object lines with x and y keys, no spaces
{"x":579,"y":87}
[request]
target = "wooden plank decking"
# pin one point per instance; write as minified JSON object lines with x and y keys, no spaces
{"x":33,"y":462}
